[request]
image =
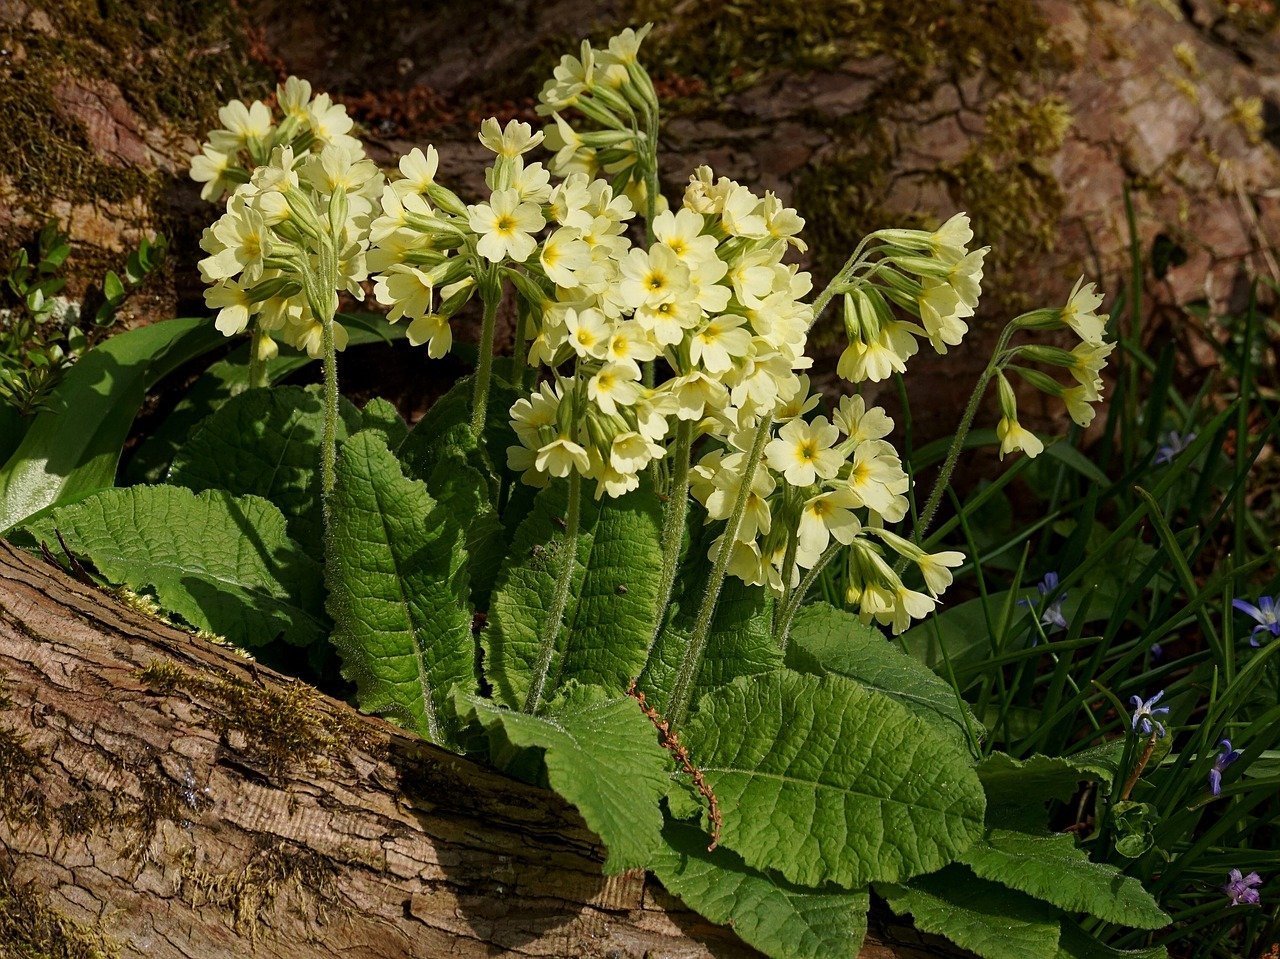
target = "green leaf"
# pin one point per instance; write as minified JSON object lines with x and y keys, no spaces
{"x":1018,"y":782}
{"x":266,"y":443}
{"x":112,"y":287}
{"x":223,"y":563}
{"x":825,"y":639}
{"x":396,"y":572}
{"x":462,"y":484}
{"x":828,"y":781}
{"x":73,"y":448}
{"x":782,"y":920}
{"x":448,"y":425}
{"x":381,"y":415}
{"x":610,"y":618}
{"x":1075,"y":943}
{"x":740,"y":642}
{"x":1053,"y":868}
{"x":225,"y":379}
{"x":601,"y":755}
{"x":985,"y":918}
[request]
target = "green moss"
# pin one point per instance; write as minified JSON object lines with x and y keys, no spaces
{"x":29,"y":929}
{"x":728,"y":43}
{"x":174,"y":64}
{"x":21,"y":801}
{"x":281,"y":727}
{"x":248,"y":893}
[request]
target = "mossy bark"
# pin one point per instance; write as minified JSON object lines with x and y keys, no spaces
{"x":171,"y":799}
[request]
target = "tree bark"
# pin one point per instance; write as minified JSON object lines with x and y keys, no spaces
{"x":166,"y":797}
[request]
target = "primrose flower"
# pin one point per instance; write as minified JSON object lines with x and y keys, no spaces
{"x":1052,"y":614}
{"x":802,"y":451}
{"x":505,"y":225}
{"x":1266,"y":614}
{"x":1224,"y":759}
{"x":1014,"y":436}
{"x":1171,"y":445}
{"x":1145,"y":713}
{"x":1242,"y":890}
{"x":1080,"y":313}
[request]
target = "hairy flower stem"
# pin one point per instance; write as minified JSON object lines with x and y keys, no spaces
{"x":568,"y":557}
{"x":257,"y":365}
{"x":682,"y":692}
{"x":673,"y":519}
{"x":792,"y":604}
{"x":957,"y":442}
{"x":491,"y":295}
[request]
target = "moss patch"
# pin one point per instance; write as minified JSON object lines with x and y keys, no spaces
{"x":21,"y":801}
{"x":174,"y":64}
{"x":31,"y":930}
{"x":280,"y":727}
{"x":247,"y":894}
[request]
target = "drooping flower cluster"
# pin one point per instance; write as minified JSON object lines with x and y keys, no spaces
{"x":250,"y":135}
{"x":613,"y":90}
{"x":932,"y":276}
{"x":821,"y":481}
{"x":292,"y":235}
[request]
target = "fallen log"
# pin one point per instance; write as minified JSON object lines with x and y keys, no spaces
{"x":162,"y":795}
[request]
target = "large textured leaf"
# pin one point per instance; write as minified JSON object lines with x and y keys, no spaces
{"x":1010,"y":781}
{"x":826,"y":639}
{"x":782,"y":920}
{"x":610,"y":618}
{"x":977,"y":915}
{"x":602,"y":755}
{"x":382,"y":415}
{"x":226,"y":378}
{"x":1053,"y":868}
{"x":73,"y":448}
{"x":447,"y":425}
{"x":740,"y":642}
{"x":223,"y":563}
{"x":266,"y":443}
{"x":462,"y":483}
{"x":396,"y":571}
{"x":828,"y":781}
{"x":1075,"y":943}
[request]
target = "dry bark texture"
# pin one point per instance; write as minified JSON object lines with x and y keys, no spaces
{"x":161,"y":796}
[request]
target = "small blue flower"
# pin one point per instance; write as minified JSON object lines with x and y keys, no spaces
{"x":1225,"y":759}
{"x":1157,"y":652}
{"x":1052,"y":614}
{"x":1145,"y":713}
{"x":1243,"y":890}
{"x":1266,"y":614}
{"x":1171,"y":445}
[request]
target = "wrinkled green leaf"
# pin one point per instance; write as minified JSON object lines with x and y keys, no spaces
{"x":740,"y":642}
{"x":1075,"y":943}
{"x":396,"y":572}
{"x":782,"y":920}
{"x":985,"y":918}
{"x":226,"y":378}
{"x":266,"y":443}
{"x":610,"y":618}
{"x":381,"y":415}
{"x":602,"y":755}
{"x":825,"y":780}
{"x":1036,"y":778}
{"x":223,"y":563}
{"x":447,"y":425}
{"x":1053,"y":868}
{"x":73,"y":448}
{"x":825,"y":639}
